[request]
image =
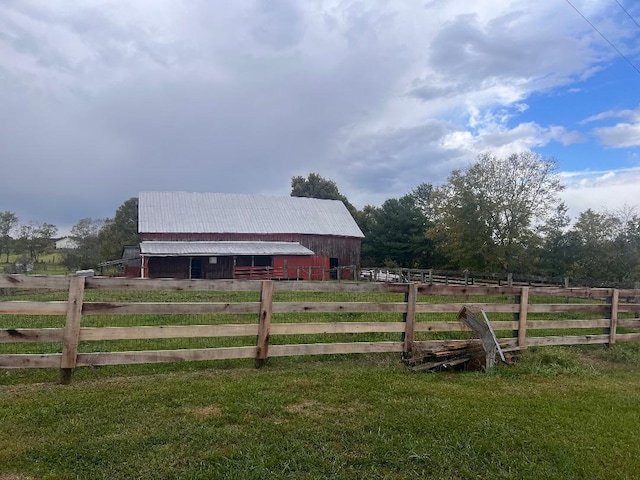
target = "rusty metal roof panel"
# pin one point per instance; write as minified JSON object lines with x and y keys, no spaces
{"x":186,"y":212}
{"x":220,"y":249}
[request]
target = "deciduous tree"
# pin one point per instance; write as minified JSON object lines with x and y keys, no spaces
{"x":626,"y":245}
{"x":607,"y":245}
{"x":316,"y":186}
{"x":594,"y":240}
{"x":558,"y":250}
{"x":35,"y":238}
{"x":8,"y":222}
{"x":87,"y":251}
{"x":485,"y":215}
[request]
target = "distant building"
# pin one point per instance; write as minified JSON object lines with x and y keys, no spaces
{"x":66,"y":243}
{"x":217,"y":235}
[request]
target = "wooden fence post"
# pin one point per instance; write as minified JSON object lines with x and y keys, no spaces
{"x":264,"y":322}
{"x":409,"y":319}
{"x":516,"y":315}
{"x":613,"y":326}
{"x":522,"y":317}
{"x":71,"y":333}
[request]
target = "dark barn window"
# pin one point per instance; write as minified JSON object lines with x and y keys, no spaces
{"x":196,"y":267}
{"x":333,"y":265}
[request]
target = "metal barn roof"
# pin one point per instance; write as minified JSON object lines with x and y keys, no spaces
{"x":221,"y":249}
{"x":184,"y":212}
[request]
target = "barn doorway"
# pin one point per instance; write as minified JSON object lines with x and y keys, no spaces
{"x":333,"y":268}
{"x":196,"y":267}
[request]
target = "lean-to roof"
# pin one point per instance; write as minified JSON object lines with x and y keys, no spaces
{"x":195,"y":249}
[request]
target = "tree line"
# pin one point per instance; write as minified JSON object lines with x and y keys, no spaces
{"x":497,"y":215}
{"x":500,"y":215}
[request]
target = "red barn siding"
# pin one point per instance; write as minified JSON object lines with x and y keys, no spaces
{"x":303,"y":267}
{"x":131,"y":271}
{"x":291,"y":267}
{"x":345,"y":249}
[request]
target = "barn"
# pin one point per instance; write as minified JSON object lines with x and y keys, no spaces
{"x":221,"y":235}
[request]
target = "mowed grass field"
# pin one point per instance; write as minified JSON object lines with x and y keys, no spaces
{"x":557,"y":413}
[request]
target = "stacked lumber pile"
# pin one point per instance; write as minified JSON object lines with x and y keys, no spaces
{"x":479,"y":353}
{"x":459,"y":355}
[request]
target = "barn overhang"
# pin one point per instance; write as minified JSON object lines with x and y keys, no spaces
{"x":221,"y":249}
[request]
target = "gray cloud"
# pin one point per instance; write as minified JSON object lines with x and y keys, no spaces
{"x":99,"y":102}
{"x":278,"y":24}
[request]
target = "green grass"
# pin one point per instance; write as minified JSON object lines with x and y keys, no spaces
{"x":625,"y":354}
{"x":557,"y":413}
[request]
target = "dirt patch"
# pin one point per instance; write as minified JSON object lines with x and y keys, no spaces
{"x":593,"y":360}
{"x":597,"y":362}
{"x":204,"y":411}
{"x":313,"y":408}
{"x":307,"y":407}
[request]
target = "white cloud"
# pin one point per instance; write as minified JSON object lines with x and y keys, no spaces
{"x":494,"y":136}
{"x":621,"y":135}
{"x":601,"y":190}
{"x":633,"y":114}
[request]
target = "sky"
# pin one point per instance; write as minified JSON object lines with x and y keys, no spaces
{"x":102,"y":99}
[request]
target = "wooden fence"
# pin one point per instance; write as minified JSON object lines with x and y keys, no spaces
{"x":309,"y":272}
{"x":414,"y":310}
{"x":470,"y":277}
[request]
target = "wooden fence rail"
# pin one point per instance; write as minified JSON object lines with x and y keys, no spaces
{"x":416,"y":310}
{"x":469,"y":277}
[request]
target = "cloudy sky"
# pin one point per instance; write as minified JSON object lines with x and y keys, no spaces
{"x":101,"y":99}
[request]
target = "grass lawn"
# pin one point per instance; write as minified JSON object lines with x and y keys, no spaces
{"x":557,"y":413}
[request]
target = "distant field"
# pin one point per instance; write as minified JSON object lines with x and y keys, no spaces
{"x":48,"y":264}
{"x":558,"y":413}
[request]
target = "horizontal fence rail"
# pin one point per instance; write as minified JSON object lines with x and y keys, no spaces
{"x":403,"y":317}
{"x":470,"y":277}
